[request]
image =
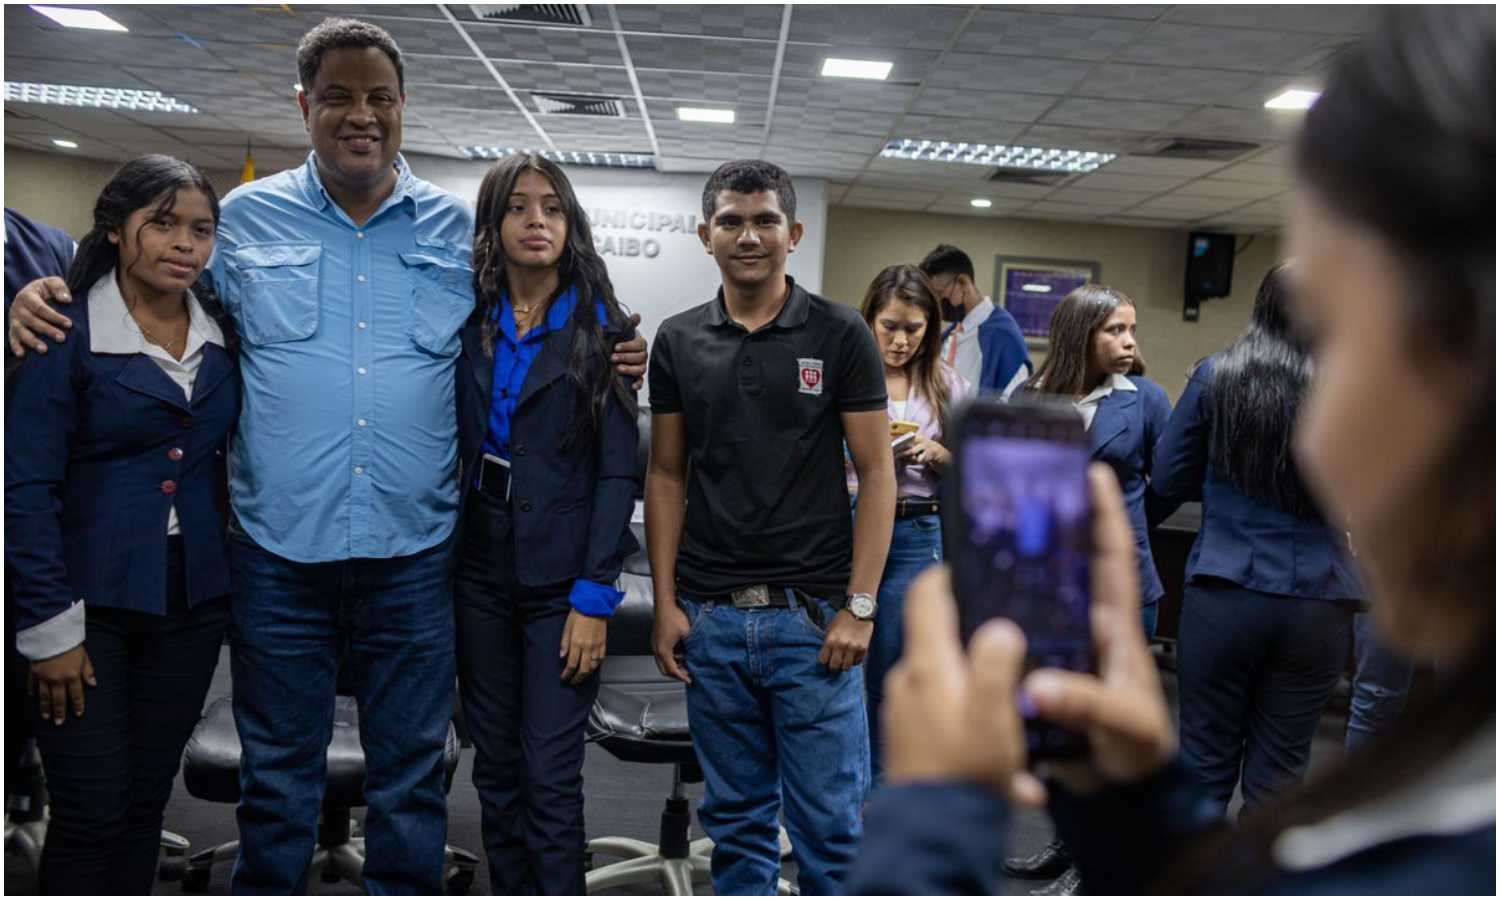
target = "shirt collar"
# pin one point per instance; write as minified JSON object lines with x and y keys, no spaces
{"x":113,"y":330}
{"x":793,"y":312}
{"x":1454,"y":797}
{"x":1115,"y":382}
{"x":312,"y":184}
{"x":979,"y":314}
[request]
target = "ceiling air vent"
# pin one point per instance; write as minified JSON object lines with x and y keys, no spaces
{"x":1197,"y":148}
{"x":579,"y":105}
{"x":1029,"y":176}
{"x":533,"y":13}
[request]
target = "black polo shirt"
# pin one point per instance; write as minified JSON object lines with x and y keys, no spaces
{"x":766,"y":498}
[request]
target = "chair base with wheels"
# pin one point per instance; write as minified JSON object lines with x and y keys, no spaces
{"x":211,"y":769}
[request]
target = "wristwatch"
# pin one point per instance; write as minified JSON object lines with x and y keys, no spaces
{"x":861,"y":606}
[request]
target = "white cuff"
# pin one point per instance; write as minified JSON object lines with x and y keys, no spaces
{"x":58,"y":634}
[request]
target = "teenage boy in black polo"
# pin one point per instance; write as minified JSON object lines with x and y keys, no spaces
{"x":764,"y":600}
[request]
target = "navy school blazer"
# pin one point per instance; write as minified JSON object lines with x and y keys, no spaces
{"x":1247,"y":541}
{"x":1002,"y":350}
{"x":571,"y":506}
{"x":92,"y":468}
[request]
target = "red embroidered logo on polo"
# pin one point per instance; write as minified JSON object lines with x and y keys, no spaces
{"x":810,"y":376}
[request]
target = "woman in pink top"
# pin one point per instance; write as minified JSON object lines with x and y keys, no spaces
{"x":902,"y":309}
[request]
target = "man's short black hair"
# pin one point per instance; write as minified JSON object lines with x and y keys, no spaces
{"x":344,"y":34}
{"x":750,"y":176}
{"x":946,"y":259}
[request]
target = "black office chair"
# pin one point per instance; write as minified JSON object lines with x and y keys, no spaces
{"x":211,"y":771}
{"x":641,"y":716}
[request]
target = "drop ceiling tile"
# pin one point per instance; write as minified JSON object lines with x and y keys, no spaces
{"x":1133,"y":11}
{"x":446,"y":70}
{"x":1089,"y":197}
{"x":1254,"y":97}
{"x":1115,"y":115}
{"x":1202,"y":206}
{"x":1160,"y":166}
{"x":998,"y":204}
{"x":1053,"y":36}
{"x":566,"y":79}
{"x":701,"y":54}
{"x":1240,"y":124}
{"x":1280,"y":176}
{"x":783,"y":135}
{"x":1317,"y":18}
{"x":988,"y":105}
{"x":925,"y":27}
{"x":908,"y":199}
{"x":1164,"y":84}
{"x":751,"y":21}
{"x":415,"y":36}
{"x":1103,"y":179}
{"x":704,"y":86}
{"x":599,"y":130}
{"x":1145,"y":221}
{"x":67,"y":71}
{"x":1242,"y":49}
{"x":240,"y":24}
{"x":546,"y":45}
{"x":1241,"y":190}
{"x":1031,"y":75}
{"x":1098,"y":139}
{"x":1078,"y":209}
{"x":966,"y":186}
{"x":954,"y":130}
{"x":858,"y":125}
{"x":925,"y":169}
{"x":806,"y":61}
{"x":485,"y":98}
{"x":838,"y":93}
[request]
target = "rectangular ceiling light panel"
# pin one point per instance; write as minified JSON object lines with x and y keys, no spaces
{"x":93,"y":97}
{"x":701,"y":114}
{"x":856,"y":68}
{"x":80,"y":18}
{"x":1293,"y":99}
{"x":1041,"y":159}
{"x":570,"y":157}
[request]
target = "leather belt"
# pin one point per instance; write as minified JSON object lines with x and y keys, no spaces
{"x":911,"y":507}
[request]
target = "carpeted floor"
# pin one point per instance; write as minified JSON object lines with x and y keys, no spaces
{"x":622,"y":799}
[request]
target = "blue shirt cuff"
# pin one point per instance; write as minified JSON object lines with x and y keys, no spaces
{"x":594,"y":599}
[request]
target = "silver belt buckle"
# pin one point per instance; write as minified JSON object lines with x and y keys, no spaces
{"x":752,"y":597}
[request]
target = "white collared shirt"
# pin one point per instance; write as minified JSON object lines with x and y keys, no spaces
{"x":963,"y":342}
{"x":1089,"y":405}
{"x":112,"y":329}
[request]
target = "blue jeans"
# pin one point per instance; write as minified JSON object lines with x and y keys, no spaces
{"x":1382,"y":678}
{"x":392,"y":621}
{"x":916,"y":543}
{"x":1254,"y":674}
{"x":771,"y":723}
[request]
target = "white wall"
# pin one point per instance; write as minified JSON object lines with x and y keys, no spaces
{"x":636,"y":213}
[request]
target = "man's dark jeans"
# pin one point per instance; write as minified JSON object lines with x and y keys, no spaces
{"x":393,"y":618}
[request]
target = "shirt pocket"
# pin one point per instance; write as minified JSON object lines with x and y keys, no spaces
{"x":280,"y":291}
{"x":442,"y":297}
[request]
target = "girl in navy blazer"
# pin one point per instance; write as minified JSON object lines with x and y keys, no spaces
{"x":1095,"y":362}
{"x":114,"y":506}
{"x":548,"y":442}
{"x":1266,"y":614}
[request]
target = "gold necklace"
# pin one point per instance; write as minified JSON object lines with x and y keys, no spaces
{"x":167,"y":346}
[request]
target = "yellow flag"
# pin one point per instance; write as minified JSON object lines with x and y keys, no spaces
{"x":247,"y":174}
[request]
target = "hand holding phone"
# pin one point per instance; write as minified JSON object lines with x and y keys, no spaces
{"x":904,"y":441}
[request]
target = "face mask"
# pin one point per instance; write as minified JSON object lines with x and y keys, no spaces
{"x":952,"y":312}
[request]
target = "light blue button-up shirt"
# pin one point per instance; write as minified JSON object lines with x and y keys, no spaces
{"x":348,"y":440}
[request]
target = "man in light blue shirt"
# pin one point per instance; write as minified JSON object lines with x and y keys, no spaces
{"x":348,"y":280}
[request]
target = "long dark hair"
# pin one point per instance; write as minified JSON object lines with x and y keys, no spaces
{"x":908,"y":284}
{"x":1402,"y":142}
{"x":1258,"y":386}
{"x":580,"y":266}
{"x":1075,"y":321}
{"x":146,"y":181}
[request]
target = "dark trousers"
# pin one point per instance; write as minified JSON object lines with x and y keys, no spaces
{"x":392,"y":621}
{"x":1382,"y":679}
{"x":527,"y":724}
{"x":110,"y":772}
{"x":1254,"y":674}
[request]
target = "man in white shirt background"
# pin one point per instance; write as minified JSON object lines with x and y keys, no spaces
{"x":985,"y":344}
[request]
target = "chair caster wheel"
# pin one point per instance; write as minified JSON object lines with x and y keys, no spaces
{"x":460,"y":882}
{"x":195,"y":881}
{"x":172,"y":868}
{"x":588,"y":861}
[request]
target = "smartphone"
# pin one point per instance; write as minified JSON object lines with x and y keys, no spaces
{"x":904,"y":441}
{"x":1017,"y":531}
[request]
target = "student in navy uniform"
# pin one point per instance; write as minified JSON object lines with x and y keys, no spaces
{"x":114,"y":489}
{"x":1395,"y":257}
{"x":538,"y":400}
{"x":984,"y":344}
{"x":1270,"y":593}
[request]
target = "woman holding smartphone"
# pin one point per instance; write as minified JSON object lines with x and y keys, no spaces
{"x":903,"y":310}
{"x":548,"y":443}
{"x":114,"y":504}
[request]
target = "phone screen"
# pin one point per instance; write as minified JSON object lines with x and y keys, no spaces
{"x":1023,"y":540}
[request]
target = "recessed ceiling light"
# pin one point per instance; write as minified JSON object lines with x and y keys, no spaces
{"x":297,"y":87}
{"x":80,"y":18}
{"x":1042,"y":159}
{"x":1293,"y":99}
{"x":702,"y":114}
{"x":981,"y":203}
{"x":93,"y":97}
{"x":65,"y":144}
{"x":606,"y":159}
{"x":856,"y":68}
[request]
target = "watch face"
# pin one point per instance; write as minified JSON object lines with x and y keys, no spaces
{"x":863,"y":607}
